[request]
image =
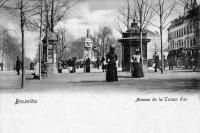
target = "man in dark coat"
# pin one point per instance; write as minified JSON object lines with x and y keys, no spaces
{"x":170,"y":61}
{"x":74,"y":59}
{"x":111,"y":73}
{"x":59,"y":66}
{"x":18,"y":65}
{"x":156,"y":61}
{"x":196,"y":60}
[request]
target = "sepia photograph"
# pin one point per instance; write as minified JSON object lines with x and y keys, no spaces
{"x":99,"y":66}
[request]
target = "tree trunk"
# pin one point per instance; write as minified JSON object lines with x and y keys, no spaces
{"x":161,"y":41}
{"x":141,"y":47}
{"x":52,"y":16}
{"x":40,"y":39}
{"x":22,"y":33}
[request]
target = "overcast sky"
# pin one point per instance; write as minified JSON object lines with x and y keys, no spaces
{"x":92,"y":14}
{"x":88,"y":14}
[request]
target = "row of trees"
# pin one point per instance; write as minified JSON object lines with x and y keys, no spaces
{"x":37,"y":15}
{"x":10,"y":49}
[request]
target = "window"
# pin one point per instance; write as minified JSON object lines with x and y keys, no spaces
{"x":190,"y":28}
{"x":184,"y":43}
{"x":181,"y":31}
{"x":194,"y":42}
{"x":191,"y":43}
{"x":185,"y":30}
{"x":188,"y":43}
{"x":170,"y":47}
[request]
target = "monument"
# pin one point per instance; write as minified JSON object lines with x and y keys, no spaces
{"x":88,"y":44}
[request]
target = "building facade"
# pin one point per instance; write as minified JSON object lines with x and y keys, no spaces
{"x":183,"y":34}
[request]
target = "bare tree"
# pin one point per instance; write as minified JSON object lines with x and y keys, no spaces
{"x":61,"y":47}
{"x":188,"y":4}
{"x":3,"y":2}
{"x":163,"y":9}
{"x":23,"y":9}
{"x":125,"y":17}
{"x":56,"y":10}
{"x":143,"y":14}
{"x":103,"y":35}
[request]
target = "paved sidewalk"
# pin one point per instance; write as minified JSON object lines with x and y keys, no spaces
{"x":170,"y":81}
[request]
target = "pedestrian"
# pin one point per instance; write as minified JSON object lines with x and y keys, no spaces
{"x":70,"y":65}
{"x":87,"y":65}
{"x":18,"y":65}
{"x":137,"y":71}
{"x":59,"y":66}
{"x":98,"y":62}
{"x":32,"y":66}
{"x":111,"y":73}
{"x":1,"y":64}
{"x":103,"y":62}
{"x":170,"y":61}
{"x":156,"y":61}
{"x":132,"y":66}
{"x":196,"y":60}
{"x":74,"y":59}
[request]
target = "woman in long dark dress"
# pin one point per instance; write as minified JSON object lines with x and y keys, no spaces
{"x":137,"y":71}
{"x":87,"y":63}
{"x":111,"y":73}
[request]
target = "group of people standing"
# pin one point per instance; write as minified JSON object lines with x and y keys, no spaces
{"x":111,"y":69}
{"x":109,"y":64}
{"x":70,"y":64}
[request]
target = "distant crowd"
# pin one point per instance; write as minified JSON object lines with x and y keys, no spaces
{"x":109,"y":64}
